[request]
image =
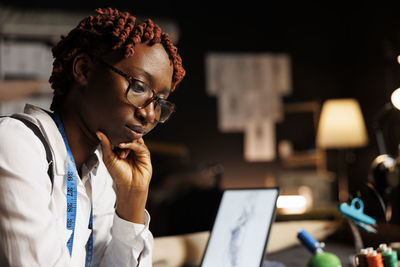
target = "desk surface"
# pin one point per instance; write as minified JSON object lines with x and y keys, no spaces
{"x":298,"y":256}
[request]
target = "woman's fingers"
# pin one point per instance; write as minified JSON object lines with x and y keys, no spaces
{"x":121,"y":153}
{"x":138,"y":146}
{"x":112,"y":156}
{"x":106,"y":147}
{"x":125,"y":153}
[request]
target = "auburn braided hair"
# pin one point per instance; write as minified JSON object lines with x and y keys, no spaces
{"x":108,"y":30}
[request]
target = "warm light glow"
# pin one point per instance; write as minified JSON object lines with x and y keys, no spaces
{"x":341,"y":125}
{"x":395,"y":98}
{"x":292,"y":204}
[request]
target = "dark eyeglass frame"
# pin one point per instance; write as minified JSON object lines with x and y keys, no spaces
{"x":131,"y":80}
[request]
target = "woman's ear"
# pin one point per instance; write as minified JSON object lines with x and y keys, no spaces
{"x":80,"y":68}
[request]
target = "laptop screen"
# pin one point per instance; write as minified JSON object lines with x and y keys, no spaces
{"x":241,"y":228}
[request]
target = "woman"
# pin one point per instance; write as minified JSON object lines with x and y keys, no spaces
{"x":86,"y":206}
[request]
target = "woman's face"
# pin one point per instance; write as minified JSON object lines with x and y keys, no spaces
{"x":104,"y":106}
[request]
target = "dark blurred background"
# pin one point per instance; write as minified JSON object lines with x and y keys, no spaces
{"x":337,"y":51}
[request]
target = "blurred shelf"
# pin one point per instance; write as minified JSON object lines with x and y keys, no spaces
{"x":16,"y":89}
{"x":169,"y":149}
{"x":322,"y":213}
{"x":309,"y":158}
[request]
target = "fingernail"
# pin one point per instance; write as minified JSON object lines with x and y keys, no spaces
{"x":98,"y":136}
{"x":124,"y":154}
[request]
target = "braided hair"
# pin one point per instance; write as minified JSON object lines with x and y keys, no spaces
{"x":109,"y":30}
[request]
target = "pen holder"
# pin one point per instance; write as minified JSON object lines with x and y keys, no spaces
{"x":324,"y":259}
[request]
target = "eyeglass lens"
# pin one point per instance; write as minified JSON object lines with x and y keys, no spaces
{"x":139,"y":96}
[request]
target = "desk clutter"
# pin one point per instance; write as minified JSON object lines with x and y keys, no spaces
{"x":383,"y":256}
{"x":320,"y":257}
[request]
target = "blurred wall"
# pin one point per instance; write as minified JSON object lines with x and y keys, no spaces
{"x":336,"y":52}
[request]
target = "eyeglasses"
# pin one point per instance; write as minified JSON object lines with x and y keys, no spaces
{"x":140,"y":95}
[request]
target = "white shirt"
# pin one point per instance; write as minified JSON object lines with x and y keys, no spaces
{"x":33,"y":211}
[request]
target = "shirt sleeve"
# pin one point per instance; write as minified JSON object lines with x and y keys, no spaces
{"x":117,"y":242}
{"x":30,"y":234}
{"x":131,"y":244}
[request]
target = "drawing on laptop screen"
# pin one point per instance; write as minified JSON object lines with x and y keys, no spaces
{"x":238,"y":230}
{"x":241,"y":228}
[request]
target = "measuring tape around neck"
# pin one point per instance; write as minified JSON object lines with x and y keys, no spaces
{"x":72,"y":181}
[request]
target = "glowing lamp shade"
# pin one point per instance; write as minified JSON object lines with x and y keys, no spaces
{"x":395,"y":98}
{"x":341,"y":125}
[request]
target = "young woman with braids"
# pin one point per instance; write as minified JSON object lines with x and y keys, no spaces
{"x":86,"y":206}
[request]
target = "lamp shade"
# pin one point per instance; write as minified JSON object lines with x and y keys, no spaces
{"x":341,"y":125}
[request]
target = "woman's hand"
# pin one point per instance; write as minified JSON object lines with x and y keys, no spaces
{"x":130,"y":167}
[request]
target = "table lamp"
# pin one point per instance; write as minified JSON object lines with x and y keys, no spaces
{"x":341,"y":126}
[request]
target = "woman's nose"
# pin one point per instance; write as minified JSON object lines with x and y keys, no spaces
{"x":146,"y":114}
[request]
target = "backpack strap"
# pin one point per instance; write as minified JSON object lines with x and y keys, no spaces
{"x":35,"y":129}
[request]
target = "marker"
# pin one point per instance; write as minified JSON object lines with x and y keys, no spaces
{"x":309,"y":242}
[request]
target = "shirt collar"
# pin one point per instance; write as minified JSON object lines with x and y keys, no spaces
{"x":91,"y":165}
{"x":52,"y":135}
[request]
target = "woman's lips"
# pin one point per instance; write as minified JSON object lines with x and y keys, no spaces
{"x":136,"y":132}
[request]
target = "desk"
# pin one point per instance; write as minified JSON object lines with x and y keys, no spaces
{"x":298,"y":256}
{"x":187,"y":250}
{"x":283,"y":246}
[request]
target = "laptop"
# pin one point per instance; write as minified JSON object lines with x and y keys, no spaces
{"x":241,"y":228}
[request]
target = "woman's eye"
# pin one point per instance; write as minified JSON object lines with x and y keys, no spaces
{"x":137,"y":88}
